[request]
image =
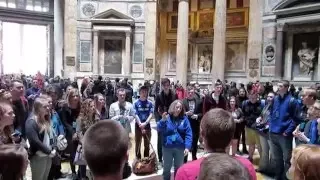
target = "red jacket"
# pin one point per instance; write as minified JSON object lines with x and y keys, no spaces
{"x":181,"y":93}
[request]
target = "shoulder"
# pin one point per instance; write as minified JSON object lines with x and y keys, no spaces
{"x":113,"y":105}
{"x":246,"y":163}
{"x":189,"y":170}
{"x":129,"y":105}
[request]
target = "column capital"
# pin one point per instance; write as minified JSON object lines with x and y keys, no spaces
{"x":282,"y":26}
{"x":128,"y":34}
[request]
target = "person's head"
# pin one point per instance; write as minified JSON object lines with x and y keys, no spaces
{"x":305,"y":162}
{"x":35,"y":83}
{"x":88,"y":108}
{"x":5,"y":96}
{"x":143,"y":92}
{"x":220,"y":166}
{"x":14,"y":161}
{"x":218,"y":88}
{"x":242,"y":92}
{"x":270,"y":97}
{"x":314,"y":111}
{"x":233,"y":102}
{"x":99,"y":100}
{"x":52,"y":92}
{"x":165,"y":84}
{"x":6,"y":115}
{"x":105,"y":146}
{"x":309,"y":96}
{"x":283,"y":87}
{"x":219,"y":125}
{"x":176,"y":109}
{"x":73,"y":98}
{"x":205,"y":91}
{"x":121,"y":95}
{"x":16,"y":89}
{"x":41,"y":111}
{"x":69,"y":88}
{"x":49,"y":99}
{"x":191,"y":92}
{"x":253,"y":95}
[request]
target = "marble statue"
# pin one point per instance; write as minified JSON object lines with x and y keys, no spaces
{"x":307,"y":57}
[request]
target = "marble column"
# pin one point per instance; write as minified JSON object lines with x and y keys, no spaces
{"x":219,"y":40}
{"x":58,"y":37}
{"x":126,"y":65}
{"x":95,"y":61}
{"x":279,"y":52}
{"x":182,"y":42}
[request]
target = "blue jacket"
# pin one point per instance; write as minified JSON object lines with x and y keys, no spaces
{"x":313,"y":133}
{"x":175,"y":133}
{"x":285,"y":115}
{"x":56,"y":124}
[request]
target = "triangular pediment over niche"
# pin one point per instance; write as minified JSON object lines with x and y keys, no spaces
{"x":288,"y":4}
{"x":111,"y":14}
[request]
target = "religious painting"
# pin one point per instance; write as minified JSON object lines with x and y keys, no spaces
{"x":305,"y":54}
{"x":237,"y":18}
{"x":205,"y":20}
{"x":236,"y":56}
{"x":173,"y":22}
{"x":206,"y":4}
{"x":204,"y":58}
{"x":112,"y":56}
{"x":172,"y":57}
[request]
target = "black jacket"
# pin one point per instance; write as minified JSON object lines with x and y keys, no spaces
{"x":35,"y":138}
{"x":163,"y":102}
{"x":197,"y":110}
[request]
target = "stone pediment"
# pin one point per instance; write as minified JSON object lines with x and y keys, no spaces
{"x":296,"y":6}
{"x":112,"y":16}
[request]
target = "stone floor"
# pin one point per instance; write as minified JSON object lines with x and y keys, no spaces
{"x":66,"y":167}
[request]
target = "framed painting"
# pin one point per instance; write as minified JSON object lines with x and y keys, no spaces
{"x":236,"y":53}
{"x":173,"y":22}
{"x":204,"y":58}
{"x":205,"y":20}
{"x":172,"y":60}
{"x":113,"y":56}
{"x":238,"y":18}
{"x":206,"y":4}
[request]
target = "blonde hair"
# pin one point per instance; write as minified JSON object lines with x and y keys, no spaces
{"x":70,"y":94}
{"x":5,"y":95}
{"x":172,"y":107}
{"x":44,"y":124}
{"x":306,"y":162}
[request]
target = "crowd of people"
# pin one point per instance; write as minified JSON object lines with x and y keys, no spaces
{"x":44,"y":120}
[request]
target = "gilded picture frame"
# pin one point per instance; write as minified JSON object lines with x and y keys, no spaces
{"x":173,"y":21}
{"x":205,"y":20}
{"x":237,"y":18}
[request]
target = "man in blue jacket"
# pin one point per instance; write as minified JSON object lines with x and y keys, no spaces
{"x":285,"y":116}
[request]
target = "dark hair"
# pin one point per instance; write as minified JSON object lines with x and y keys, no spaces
{"x":164,"y":81}
{"x":121,"y":90}
{"x":105,"y":147}
{"x":220,"y":166}
{"x":219,"y":125}
{"x":285,"y":83}
{"x":236,"y":101}
{"x":144,"y":88}
{"x":13,"y":160}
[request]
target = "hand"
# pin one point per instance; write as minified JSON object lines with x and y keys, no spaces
{"x":194,"y":116}
{"x":53,"y":153}
{"x":142,"y":125}
{"x":296,"y":132}
{"x":303,"y":137}
{"x":189,"y":113}
{"x":258,"y":120}
{"x":165,"y":116}
{"x":16,"y":139}
{"x":284,"y":134}
{"x":75,"y":137}
{"x":185,"y":152}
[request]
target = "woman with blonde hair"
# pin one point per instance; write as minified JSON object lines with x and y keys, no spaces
{"x":68,"y":115}
{"x":100,"y":104}
{"x":40,"y":137}
{"x":6,"y":122}
{"x":177,"y":137}
{"x":5,"y":96}
{"x":86,"y":119}
{"x":305,"y":163}
{"x":310,"y":134}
